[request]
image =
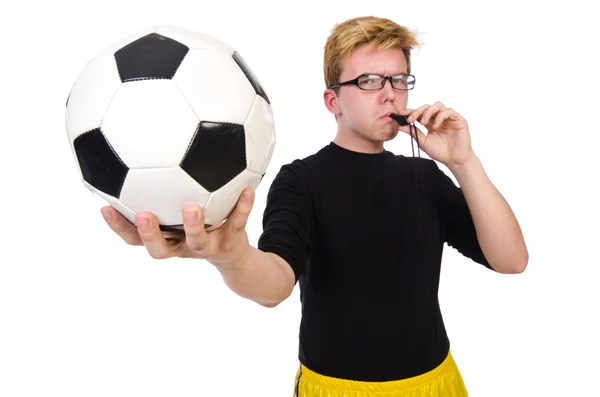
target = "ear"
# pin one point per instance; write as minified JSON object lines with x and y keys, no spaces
{"x":331,"y":102}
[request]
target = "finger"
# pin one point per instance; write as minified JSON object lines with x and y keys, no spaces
{"x":430,"y":112}
{"x":197,"y":237}
{"x":416,"y":114}
{"x":441,"y":116}
{"x":239,"y":217}
{"x":121,"y":225}
{"x":152,"y":237}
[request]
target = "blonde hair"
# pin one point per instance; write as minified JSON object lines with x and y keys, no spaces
{"x":379,"y":33}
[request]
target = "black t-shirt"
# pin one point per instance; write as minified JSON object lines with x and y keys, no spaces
{"x":364,"y":235}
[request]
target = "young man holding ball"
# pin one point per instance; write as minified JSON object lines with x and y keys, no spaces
{"x":361,"y":229}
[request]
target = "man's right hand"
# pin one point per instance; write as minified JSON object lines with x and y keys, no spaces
{"x":222,"y":244}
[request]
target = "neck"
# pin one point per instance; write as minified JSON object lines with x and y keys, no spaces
{"x":352,"y":141}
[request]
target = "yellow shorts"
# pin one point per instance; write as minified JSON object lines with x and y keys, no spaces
{"x":442,"y":381}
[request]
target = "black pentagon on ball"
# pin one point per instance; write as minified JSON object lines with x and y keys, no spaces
{"x":153,"y":56}
{"x":100,"y":166}
{"x":251,"y":77}
{"x":216,"y":154}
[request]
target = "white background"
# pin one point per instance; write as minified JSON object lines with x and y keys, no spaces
{"x":84,"y":314}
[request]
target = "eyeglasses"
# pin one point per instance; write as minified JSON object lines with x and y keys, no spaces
{"x":375,"y":82}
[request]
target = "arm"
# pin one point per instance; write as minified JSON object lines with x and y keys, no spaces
{"x":498,"y":230}
{"x":267,"y":274}
{"x":262,"y":277}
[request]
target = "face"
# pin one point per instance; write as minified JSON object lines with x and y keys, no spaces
{"x":362,"y":124}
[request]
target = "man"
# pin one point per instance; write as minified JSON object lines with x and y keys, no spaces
{"x":361,"y":229}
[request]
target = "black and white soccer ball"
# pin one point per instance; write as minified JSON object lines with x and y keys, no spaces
{"x":168,"y":117}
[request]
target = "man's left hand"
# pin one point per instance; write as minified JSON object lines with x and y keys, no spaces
{"x":447,"y":140}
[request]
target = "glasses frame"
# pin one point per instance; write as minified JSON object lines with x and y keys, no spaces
{"x":385,"y":78}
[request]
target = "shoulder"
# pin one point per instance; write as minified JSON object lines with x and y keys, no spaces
{"x":426,"y":164}
{"x":426,"y":167}
{"x":432,"y":177}
{"x":302,"y":171}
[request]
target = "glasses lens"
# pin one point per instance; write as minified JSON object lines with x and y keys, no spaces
{"x":403,"y":81}
{"x":370,"y":82}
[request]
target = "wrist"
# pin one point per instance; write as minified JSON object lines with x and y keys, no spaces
{"x":470,"y":162}
{"x":233,"y":261}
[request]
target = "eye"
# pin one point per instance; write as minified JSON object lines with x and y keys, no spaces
{"x":370,"y":80}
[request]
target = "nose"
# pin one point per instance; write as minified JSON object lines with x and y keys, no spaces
{"x":387,"y":89}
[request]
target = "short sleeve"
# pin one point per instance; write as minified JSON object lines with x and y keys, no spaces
{"x":458,"y":222}
{"x":287,"y":220}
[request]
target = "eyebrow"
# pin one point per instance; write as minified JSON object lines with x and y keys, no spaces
{"x":381,"y":74}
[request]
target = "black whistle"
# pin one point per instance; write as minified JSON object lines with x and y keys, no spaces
{"x":399,"y":119}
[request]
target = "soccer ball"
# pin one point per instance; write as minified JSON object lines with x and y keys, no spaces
{"x":168,"y":117}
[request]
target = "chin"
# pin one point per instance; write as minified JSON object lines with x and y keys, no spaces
{"x":387,"y":136}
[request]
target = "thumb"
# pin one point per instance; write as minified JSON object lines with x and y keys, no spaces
{"x":239,"y":215}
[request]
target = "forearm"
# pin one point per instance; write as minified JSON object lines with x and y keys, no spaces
{"x":258,"y":276}
{"x":498,"y":230}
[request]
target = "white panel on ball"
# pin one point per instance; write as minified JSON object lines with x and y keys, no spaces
{"x":260,"y":136}
{"x":162,"y":191}
{"x":149,"y":124}
{"x":114,"y":202}
{"x":215,"y":86}
{"x":91,"y":94}
{"x":222,"y":202}
{"x":193,"y":40}
{"x":117,"y":45}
